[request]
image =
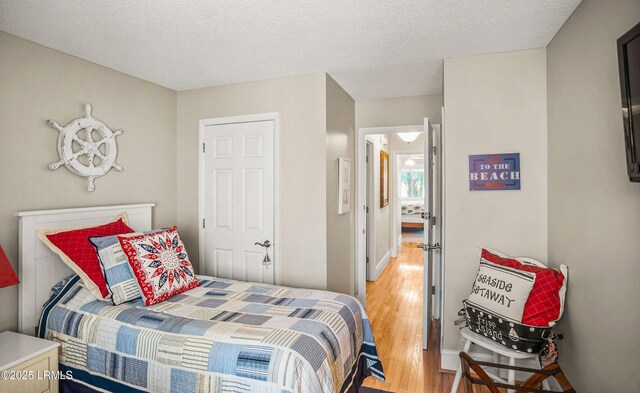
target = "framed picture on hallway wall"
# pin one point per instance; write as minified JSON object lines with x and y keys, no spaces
{"x":385,"y":171}
{"x":344,"y":185}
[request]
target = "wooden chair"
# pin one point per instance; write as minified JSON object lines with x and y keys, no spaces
{"x":531,"y":385}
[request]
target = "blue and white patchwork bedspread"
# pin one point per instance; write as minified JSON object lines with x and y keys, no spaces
{"x":224,"y":336}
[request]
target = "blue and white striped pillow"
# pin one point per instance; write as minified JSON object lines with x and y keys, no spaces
{"x":121,"y":283}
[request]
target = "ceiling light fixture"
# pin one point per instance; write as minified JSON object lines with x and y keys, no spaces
{"x":408,"y":136}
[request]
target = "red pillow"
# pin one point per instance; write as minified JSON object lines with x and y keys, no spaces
{"x":544,"y":305}
{"x":78,"y":253}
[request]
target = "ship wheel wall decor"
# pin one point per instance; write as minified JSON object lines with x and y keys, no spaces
{"x":87,"y":147}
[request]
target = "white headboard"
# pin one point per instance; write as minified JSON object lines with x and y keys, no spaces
{"x":40,"y":269}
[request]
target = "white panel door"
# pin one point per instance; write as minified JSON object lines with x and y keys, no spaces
{"x":238,"y":201}
{"x":428,"y":245}
{"x":436,"y":223}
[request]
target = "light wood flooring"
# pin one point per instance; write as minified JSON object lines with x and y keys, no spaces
{"x":394,"y":306}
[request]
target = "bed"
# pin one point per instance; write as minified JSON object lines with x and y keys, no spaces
{"x":411,"y":214}
{"x":223,"y":336}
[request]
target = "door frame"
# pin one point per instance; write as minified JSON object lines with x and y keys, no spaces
{"x":259,"y":117}
{"x":361,"y":201}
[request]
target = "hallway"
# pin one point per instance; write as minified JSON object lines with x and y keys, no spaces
{"x":394,"y":306}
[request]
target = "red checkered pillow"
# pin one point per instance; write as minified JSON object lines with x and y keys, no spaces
{"x":546,"y":300}
{"x":160,"y":264}
{"x":78,"y":253}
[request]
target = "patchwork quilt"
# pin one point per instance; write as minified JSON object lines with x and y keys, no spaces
{"x":224,"y":336}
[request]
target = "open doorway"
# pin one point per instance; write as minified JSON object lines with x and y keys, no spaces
{"x":398,"y":247}
{"x":410,"y":199}
{"x":392,"y":175}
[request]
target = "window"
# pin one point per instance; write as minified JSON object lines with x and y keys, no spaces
{"x":411,"y":184}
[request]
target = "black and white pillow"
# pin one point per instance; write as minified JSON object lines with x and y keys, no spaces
{"x":501,"y":291}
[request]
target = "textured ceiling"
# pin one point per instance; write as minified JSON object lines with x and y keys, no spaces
{"x":374,"y":49}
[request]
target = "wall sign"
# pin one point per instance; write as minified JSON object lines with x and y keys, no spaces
{"x":494,"y":172}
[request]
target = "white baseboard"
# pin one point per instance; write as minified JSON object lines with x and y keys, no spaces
{"x":382,"y":263}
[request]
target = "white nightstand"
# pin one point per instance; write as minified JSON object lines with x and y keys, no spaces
{"x":28,"y":362}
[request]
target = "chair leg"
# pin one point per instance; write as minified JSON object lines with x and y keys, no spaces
{"x":456,"y":380}
{"x":545,"y":383}
{"x":512,"y":374}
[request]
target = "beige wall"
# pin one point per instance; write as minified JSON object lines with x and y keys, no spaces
{"x":38,"y":83}
{"x":404,"y":111}
{"x":301,"y":102}
{"x":594,"y":211}
{"x":494,"y":103}
{"x":340,"y":227}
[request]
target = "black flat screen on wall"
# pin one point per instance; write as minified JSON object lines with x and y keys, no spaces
{"x":629,"y":63}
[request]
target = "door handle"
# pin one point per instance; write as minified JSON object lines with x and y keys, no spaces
{"x":266,"y":244}
{"x":266,"y":261}
{"x":429,"y":247}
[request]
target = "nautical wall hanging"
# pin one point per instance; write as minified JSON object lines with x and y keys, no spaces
{"x":87,"y":147}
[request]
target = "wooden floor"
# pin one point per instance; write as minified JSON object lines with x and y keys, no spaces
{"x":394,"y":306}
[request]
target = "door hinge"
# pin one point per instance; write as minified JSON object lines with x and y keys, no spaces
{"x":366,"y":209}
{"x":433,"y":289}
{"x":367,"y":160}
{"x":204,"y":223}
{"x":434,"y":150}
{"x":433,"y":220}
{"x":367,"y":259}
{"x":204,"y":147}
